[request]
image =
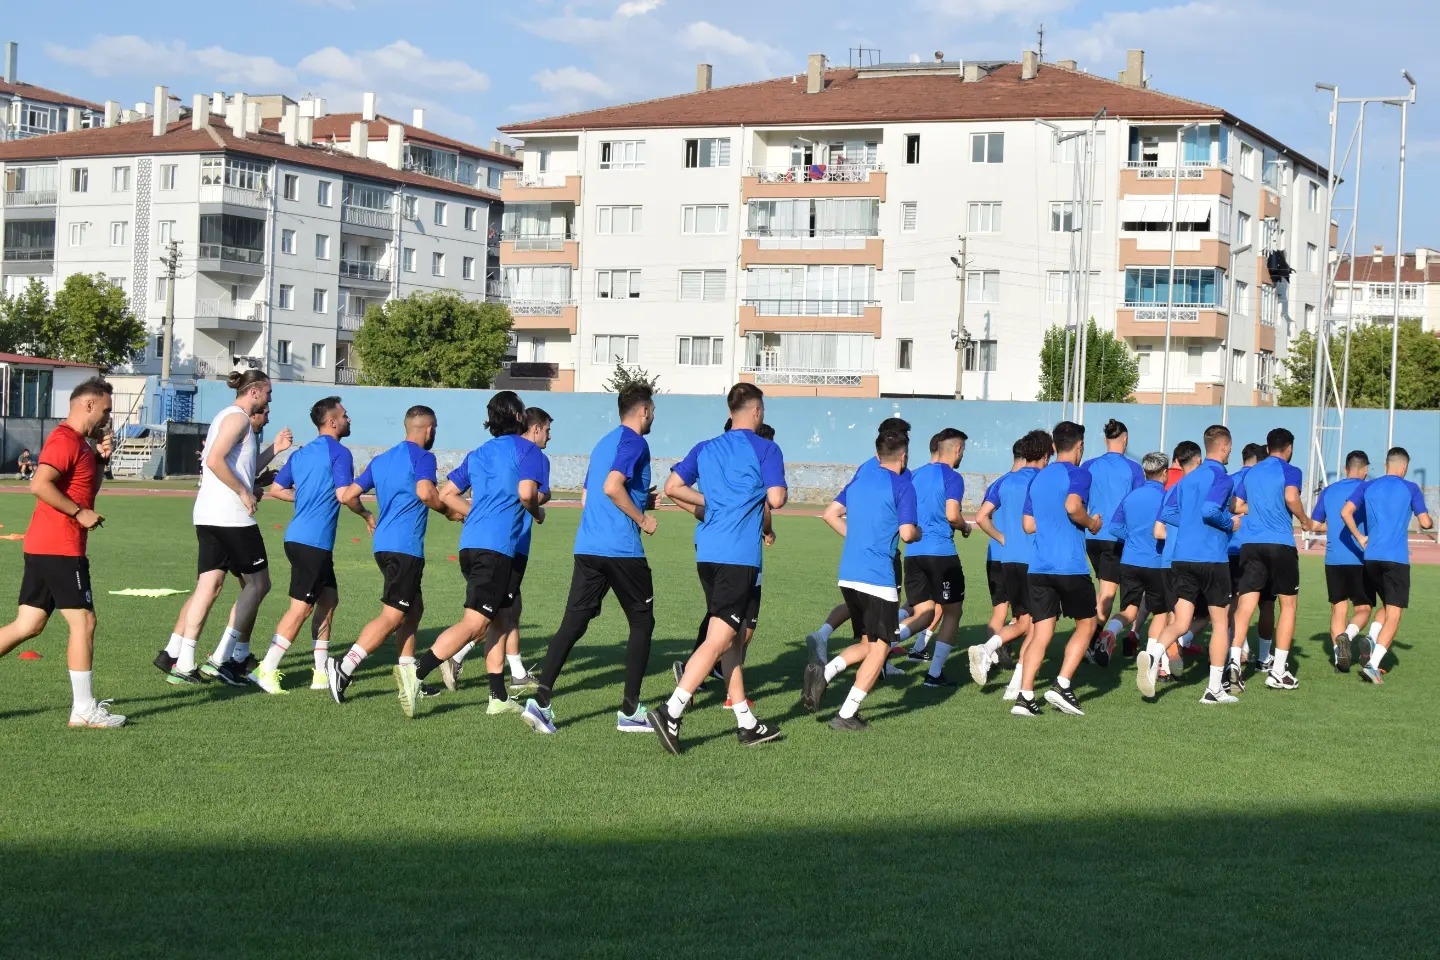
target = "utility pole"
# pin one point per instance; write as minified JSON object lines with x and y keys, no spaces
{"x":171,"y":260}
{"x":961,"y":263}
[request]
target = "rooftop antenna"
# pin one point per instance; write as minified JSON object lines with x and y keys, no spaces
{"x":864,"y":57}
{"x":1041,"y":33}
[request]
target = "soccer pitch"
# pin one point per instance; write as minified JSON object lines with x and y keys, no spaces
{"x":229,"y":823}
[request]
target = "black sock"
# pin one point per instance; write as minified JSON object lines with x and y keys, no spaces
{"x":497,"y":686}
{"x":542,"y":696}
{"x":637,"y":658}
{"x":427,"y":662}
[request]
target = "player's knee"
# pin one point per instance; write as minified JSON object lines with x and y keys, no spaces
{"x":642,"y":618}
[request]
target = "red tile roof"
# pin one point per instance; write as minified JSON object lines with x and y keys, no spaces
{"x":132,"y":139}
{"x":31,"y":92}
{"x":1367,"y":270}
{"x":336,"y":126}
{"x":24,"y":361}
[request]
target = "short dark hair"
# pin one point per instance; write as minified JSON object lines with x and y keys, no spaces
{"x":1114,"y":430}
{"x":505,"y":414}
{"x":633,"y":396}
{"x":419,"y":412}
{"x":890,"y":444}
{"x":948,"y":435}
{"x":1037,"y":444}
{"x":1254,"y":451}
{"x":1278,"y":439}
{"x":1186,"y":451}
{"x":93,"y":387}
{"x":765,"y":432}
{"x":1017,"y":449}
{"x":1397,"y":453}
{"x":894,"y":425}
{"x":242,"y":380}
{"x":1067,"y":434}
{"x":742,"y":395}
{"x":1356,"y":458}
{"x":1214,"y":434}
{"x":322,"y":409}
{"x":536,"y":417}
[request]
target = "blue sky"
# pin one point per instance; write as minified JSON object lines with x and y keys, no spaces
{"x":474,"y":65}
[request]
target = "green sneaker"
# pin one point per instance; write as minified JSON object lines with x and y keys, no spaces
{"x":409,"y":686}
{"x":498,"y":707}
{"x":637,"y":723}
{"x":210,"y":670}
{"x":270,"y":681}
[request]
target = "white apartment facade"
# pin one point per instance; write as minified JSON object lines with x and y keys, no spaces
{"x":799,"y":233}
{"x":30,"y":111}
{"x":1366,"y":289}
{"x":283,"y":243}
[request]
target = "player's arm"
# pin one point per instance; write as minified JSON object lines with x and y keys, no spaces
{"x":231,"y":432}
{"x":681,"y":492}
{"x":452,"y":499}
{"x":1079,"y":515}
{"x":619,"y":494}
{"x":956,"y":518}
{"x":1347,"y":514}
{"x":1214,"y":510}
{"x":906,"y":510}
{"x":987,"y":525}
{"x":284,"y":440}
{"x":1169,"y":515}
{"x":1118,"y":528}
{"x":1297,"y":509}
{"x":834,"y":516}
{"x":429,"y":494}
{"x":45,"y":485}
{"x":1318,"y":517}
{"x":1417,"y":506}
{"x":1242,"y":509}
{"x":767,"y":530}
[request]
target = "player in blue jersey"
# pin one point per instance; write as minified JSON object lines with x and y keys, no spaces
{"x":503,"y":476}
{"x":404,"y":481}
{"x":874,"y":513}
{"x":1200,"y":513}
{"x":1056,"y":511}
{"x":1386,"y":505}
{"x":1003,"y":628}
{"x":1251,"y":454}
{"x":1345,"y":566}
{"x":1113,"y":475}
{"x":1268,"y":500}
{"x":1165,"y":662}
{"x":1142,"y":581}
{"x":742,"y":474}
{"x":934,"y":579}
{"x":609,"y":557}
{"x":314,"y":479}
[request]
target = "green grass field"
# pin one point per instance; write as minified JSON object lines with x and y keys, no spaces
{"x":229,"y":823}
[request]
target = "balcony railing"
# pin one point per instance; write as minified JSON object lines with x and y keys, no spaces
{"x":221,"y":251}
{"x":849,"y":172}
{"x":1189,"y":170}
{"x":26,"y":254}
{"x":345,"y":376}
{"x":806,"y":232}
{"x":809,"y":308}
{"x":368,"y":217}
{"x":1183,"y":312}
{"x":240,"y":196}
{"x":225,"y":309}
{"x":347,"y":320}
{"x":522,"y":178}
{"x":31,"y":198}
{"x":537,"y":308}
{"x":537,"y":241}
{"x":534,"y":371}
{"x":364,"y":270}
{"x":805,"y":376}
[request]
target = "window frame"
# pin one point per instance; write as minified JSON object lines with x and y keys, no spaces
{"x":606,"y":278}
{"x":986,"y":144}
{"x":467,"y":268}
{"x":288,"y":238}
{"x":905,"y":353}
{"x":912,"y":149}
{"x":79,"y":179}
{"x":322,"y":246}
{"x":693,"y":145}
{"x":705,"y":276}
{"x":989,"y":283}
{"x":285,"y":297}
{"x":290,"y":187}
{"x":714,"y":350}
{"x":636,"y":160}
{"x":317,"y":349}
{"x":910,"y":277}
{"x":284,"y":353}
{"x":983,"y":210}
{"x":910,"y":212}
{"x":442,"y":213}
{"x":325,"y":192}
{"x":169,"y":176}
{"x":320,"y":296}
{"x":630,"y":339}
{"x":437,"y":263}
{"x":122,"y":227}
{"x":690,"y":214}
{"x":409,"y":260}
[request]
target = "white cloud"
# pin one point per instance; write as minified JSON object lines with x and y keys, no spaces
{"x":707,"y":37}
{"x":638,"y":8}
{"x":572,"y":81}
{"x":129,"y":56}
{"x":1020,"y":11}
{"x":1197,"y":24}
{"x":398,"y":64}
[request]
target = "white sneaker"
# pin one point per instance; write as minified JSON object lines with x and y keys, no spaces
{"x":1012,"y":690}
{"x":979,"y":664}
{"x":1145,"y":670}
{"x":1281,"y":681}
{"x":893,"y":671}
{"x":97,"y":717}
{"x":1212,"y":698}
{"x":450,"y":673}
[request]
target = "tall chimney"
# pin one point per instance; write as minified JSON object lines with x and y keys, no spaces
{"x":307,"y":107}
{"x":1029,"y":65}
{"x":360,"y":138}
{"x":305,"y":131}
{"x":252,"y":117}
{"x":1422,"y":258}
{"x":288,"y":121}
{"x":217,"y":102}
{"x":72,"y":118}
{"x":237,"y":116}
{"x":395,"y":146}
{"x":815,"y":74}
{"x":112,"y":112}
{"x":199,"y":112}
{"x":417,"y":118}
{"x":1134,"y":75}
{"x":161,"y":112}
{"x":972,"y":72}
{"x":12,"y":60}
{"x":367,"y":112}
{"x":704,"y":77}
{"x":319,"y":107}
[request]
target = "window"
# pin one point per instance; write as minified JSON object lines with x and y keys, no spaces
{"x":291,"y":185}
{"x":1312,"y":258}
{"x":169,"y":173}
{"x":987,"y":148}
{"x":1064,"y":216}
{"x":167,"y":230}
{"x":1237,"y":366}
{"x":120,"y":179}
{"x":1265,"y":371}
{"x":1058,"y":283}
{"x":1194,"y":359}
{"x":317,"y":356}
{"x":118,"y":230}
{"x":984,"y":218}
{"x":1247,"y":161}
{"x":409,"y":208}
{"x":702,"y":285}
{"x":909,"y":212}
{"x":282,"y":351}
{"x":982,"y":286}
{"x":617,"y":220}
{"x":622,"y":155}
{"x":840,"y":217}
{"x":1227,"y":215}
{"x":323,"y":193}
{"x":1142,"y":359}
{"x":907,"y":286}
{"x":437,"y":264}
{"x":492,"y":180}
{"x":1194,"y":286}
{"x":1309,"y":317}
{"x":320,"y":302}
{"x":700,"y":351}
{"x":469,"y":218}
{"x":77,"y":234}
{"x":705,"y":219}
{"x":980,"y":356}
{"x":287,"y":296}
{"x":1312,"y":196}
{"x":322,"y":246}
{"x":1242,"y":229}
{"x":548,"y":284}
{"x":708,"y":152}
{"x":1268,"y":305}
{"x":912,"y":155}
{"x":409,"y":260}
{"x":615,"y":349}
{"x":904,"y":354}
{"x":80,"y":180}
{"x":1242,"y":298}
{"x":287,"y":241}
{"x":162,"y":284}
{"x":442,"y":213}
{"x":467,"y":268}
{"x":824,"y":291}
{"x":617,"y":284}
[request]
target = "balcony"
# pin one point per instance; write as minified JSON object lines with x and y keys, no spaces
{"x":236,"y":196}
{"x":522,"y":249}
{"x":383,"y":220}
{"x":1147,"y":177}
{"x":536,"y":376}
{"x":782,"y":381}
{"x":550,"y":314}
{"x":40,"y":197}
{"x":227,"y":314}
{"x":29,"y":254}
{"x":1146,"y":321}
{"x":814,"y":180}
{"x":365,"y":271}
{"x":347,"y":377}
{"x":349,"y":322}
{"x":824,"y":247}
{"x":1152,"y":249}
{"x":227,"y":259}
{"x":519,"y":186}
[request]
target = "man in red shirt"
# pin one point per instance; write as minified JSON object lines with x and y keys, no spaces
{"x":57,"y":572}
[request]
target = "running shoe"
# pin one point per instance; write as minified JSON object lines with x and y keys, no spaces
{"x":1145,"y":673}
{"x":538,"y":718}
{"x":177,"y":679}
{"x":637,"y":722}
{"x":497,"y":707}
{"x":1004,"y":659}
{"x":1281,"y":681}
{"x":1265,"y":666}
{"x":812,"y":687}
{"x":979,"y":664}
{"x":758,"y":734}
{"x":1026,"y":707}
{"x":819,"y":648}
{"x":1342,"y":652}
{"x":1372,"y":674}
{"x":921,"y":656}
{"x":428,"y":690}
{"x":318,"y":680}
{"x":849,"y":724}
{"x":1130,"y":648}
{"x":1234,"y":681}
{"x":164,"y":662}
{"x":1063,"y":699}
{"x":1213,"y":698}
{"x":667,"y":728}
{"x":450,"y":670}
{"x":336,"y":680}
{"x":269,"y":681}
{"x":941,"y":682}
{"x":1364,"y":646}
{"x":408,"y":685}
{"x":678,"y":668}
{"x":227,"y":673}
{"x":527,"y":681}
{"x":97,"y":717}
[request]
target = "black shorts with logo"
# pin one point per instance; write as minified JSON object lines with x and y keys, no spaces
{"x":995,"y":579}
{"x":1143,"y":585}
{"x":1346,"y":584}
{"x":1202,"y":584}
{"x":594,"y":576}
{"x":752,"y":612}
{"x":237,"y":550}
{"x":487,"y":580}
{"x":728,"y":589}
{"x":1105,"y":559}
{"x":1389,"y":581}
{"x":518,"y":563}
{"x":401,"y":573}
{"x":872,"y":617}
{"x":52,"y":582}
{"x":311,"y":571}
{"x":1017,"y":587}
{"x":934,"y":579}
{"x":1269,"y":569}
{"x":1053,"y":595}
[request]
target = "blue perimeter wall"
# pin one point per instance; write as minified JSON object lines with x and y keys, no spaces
{"x":823,"y":438}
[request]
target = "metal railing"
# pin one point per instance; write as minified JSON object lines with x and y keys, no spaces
{"x":1183,"y":313}
{"x":221,"y":308}
{"x":1189,"y":169}
{"x":345,"y":376}
{"x":22,"y":254}
{"x":368,"y":217}
{"x":806,"y":376}
{"x":848,"y":172}
{"x":349,"y":321}
{"x":240,"y":196}
{"x":809,"y":308}
{"x":537,"y":241}
{"x":522,"y":178}
{"x":221,"y":251}
{"x":807,"y":232}
{"x":31,"y":198}
{"x":537,"y":308}
{"x":364,"y":270}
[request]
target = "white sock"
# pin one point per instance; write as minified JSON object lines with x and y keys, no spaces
{"x":1352,"y":631}
{"x":1165,"y":663}
{"x":1377,"y":655}
{"x":241,"y":653}
{"x":173,"y":647}
{"x":921,"y":642}
{"x":744,"y":717}
{"x":1375,"y":629}
{"x":679,"y":700}
{"x":185,"y":663}
{"x":851,"y":705}
{"x":406,"y":661}
{"x":1280,"y":658}
{"x":1115,"y":626}
{"x":225,"y":649}
{"x":1235,"y":654}
{"x":937,"y":663}
{"x":1028,"y":694}
{"x":1063,"y":683}
{"x":1264,"y":649}
{"x":834,"y":668}
{"x":1013,"y":687}
{"x":322,"y":653}
{"x":517,"y":666}
{"x":993,"y":645}
{"x":463,"y":652}
{"x":352,"y":660}
{"x":904,"y":633}
{"x":1215,"y":676}
{"x":905,"y":614}
{"x":278,"y":646}
{"x":83,"y":697}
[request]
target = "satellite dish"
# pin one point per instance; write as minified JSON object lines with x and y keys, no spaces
{"x":939,"y":55}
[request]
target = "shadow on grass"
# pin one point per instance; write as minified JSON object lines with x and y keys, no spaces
{"x":1200,"y":886}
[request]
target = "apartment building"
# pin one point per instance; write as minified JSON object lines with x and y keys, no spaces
{"x":1365,"y":289}
{"x":799,"y":232}
{"x":30,"y":111}
{"x":283,"y":242}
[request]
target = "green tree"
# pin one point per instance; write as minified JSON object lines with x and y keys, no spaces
{"x":1416,"y":388}
{"x":433,"y":340}
{"x":23,"y":317}
{"x":624,"y":377}
{"x":91,"y":323}
{"x":1111,"y":368}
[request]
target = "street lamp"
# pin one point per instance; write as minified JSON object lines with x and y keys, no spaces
{"x":1170,"y":286}
{"x":1225,"y":368}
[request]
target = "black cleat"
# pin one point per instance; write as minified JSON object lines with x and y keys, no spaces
{"x":164,"y":662}
{"x":1342,"y":652}
{"x":812,"y":687}
{"x":761,"y":733}
{"x":229,"y":673}
{"x":1026,"y":707}
{"x":940,"y":682}
{"x":1063,"y":699}
{"x":849,"y":724}
{"x":337,"y":680}
{"x":921,"y":656}
{"x":667,"y":728}
{"x":431,"y":689}
{"x":178,"y":679}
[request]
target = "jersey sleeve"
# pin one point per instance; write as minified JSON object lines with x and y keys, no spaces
{"x":905,"y":510}
{"x":62,"y":452}
{"x":1170,"y":508}
{"x":1357,"y":496}
{"x":460,"y":476}
{"x":954,"y":487}
{"x":772,"y":463}
{"x":844,"y":492}
{"x":631,"y":449}
{"x":1117,"y":523}
{"x":992,"y":494}
{"x":285,"y":479}
{"x":1417,"y":500}
{"x":1215,"y":510}
{"x":688,"y":469}
{"x":545,"y":474}
{"x":422,"y":464}
{"x":1240,"y":488}
{"x":342,"y":466}
{"x":1080,"y":481}
{"x":1028,"y":509}
{"x":1318,"y":515}
{"x":1293,"y":477}
{"x":366,"y":480}
{"x":531,"y":465}
{"x":1137,"y":475}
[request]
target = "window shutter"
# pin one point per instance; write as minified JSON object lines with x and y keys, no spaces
{"x":714,"y":285}
{"x":690,"y":285}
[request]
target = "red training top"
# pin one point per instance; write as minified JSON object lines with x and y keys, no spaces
{"x":1173,"y":477}
{"x":51,"y":532}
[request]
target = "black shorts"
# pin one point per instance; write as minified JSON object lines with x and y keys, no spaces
{"x":487,"y":580}
{"x":1202,"y":584}
{"x":752,"y":612}
{"x":1105,"y":559}
{"x":518,"y":563}
{"x":1143,"y":585}
{"x":728,"y":589}
{"x":1017,"y":587}
{"x":1346,"y":584}
{"x":1389,"y":581}
{"x":237,"y":550}
{"x":995,"y":579}
{"x":934,"y":579}
{"x":311,"y":571}
{"x":52,"y":582}
{"x":1269,"y":569}
{"x":1053,"y":595}
{"x":401,"y":573}
{"x":872,"y":617}
{"x":593,"y":576}
{"x":899,"y":577}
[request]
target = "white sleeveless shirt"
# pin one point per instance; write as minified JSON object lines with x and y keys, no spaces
{"x":216,"y":505}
